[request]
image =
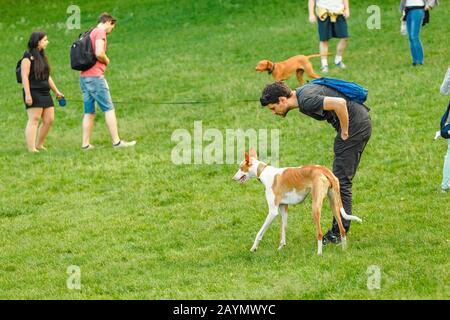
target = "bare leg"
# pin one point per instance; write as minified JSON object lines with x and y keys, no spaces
{"x":342,"y":44}
{"x":34,"y":114}
{"x":48,"y":116}
{"x":111,"y":122}
{"x":324,"y":52}
{"x":88,"y":124}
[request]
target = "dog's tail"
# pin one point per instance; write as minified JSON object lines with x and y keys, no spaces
{"x":318,"y":55}
{"x":349,"y":217}
{"x":334,"y":181}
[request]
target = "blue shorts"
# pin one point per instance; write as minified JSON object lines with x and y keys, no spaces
{"x":328,"y":29}
{"x":95,"y":89}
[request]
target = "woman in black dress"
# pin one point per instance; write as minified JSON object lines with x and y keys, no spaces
{"x":37,"y":83}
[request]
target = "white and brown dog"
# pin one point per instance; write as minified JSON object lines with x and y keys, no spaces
{"x":288,"y":186}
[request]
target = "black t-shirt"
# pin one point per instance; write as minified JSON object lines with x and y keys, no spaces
{"x":310,"y":100}
{"x":37,"y":83}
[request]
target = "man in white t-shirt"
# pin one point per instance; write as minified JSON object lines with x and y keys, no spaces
{"x":330,"y":16}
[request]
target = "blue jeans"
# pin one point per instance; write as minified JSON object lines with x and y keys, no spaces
{"x":413,"y":25}
{"x":446,"y":172}
{"x":95,"y":89}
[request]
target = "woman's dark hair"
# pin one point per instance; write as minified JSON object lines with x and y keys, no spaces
{"x":40,"y":59}
{"x":273,"y":92}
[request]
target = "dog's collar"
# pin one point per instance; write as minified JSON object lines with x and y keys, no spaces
{"x":260,"y":169}
{"x":273,"y":68}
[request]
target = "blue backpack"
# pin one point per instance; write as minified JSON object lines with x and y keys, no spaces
{"x":445,"y":128}
{"x":351,"y":90}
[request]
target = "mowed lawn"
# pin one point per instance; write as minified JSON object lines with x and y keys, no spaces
{"x":140,"y":227}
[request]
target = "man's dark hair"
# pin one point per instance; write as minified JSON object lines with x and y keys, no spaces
{"x":273,"y":92}
{"x":105,"y":17}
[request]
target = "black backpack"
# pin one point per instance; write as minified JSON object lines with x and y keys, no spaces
{"x":445,"y":128}
{"x":19,"y":71}
{"x":82,"y":56}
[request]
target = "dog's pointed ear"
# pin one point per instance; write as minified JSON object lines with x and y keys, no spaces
{"x":253,"y":153}
{"x":247,"y":158}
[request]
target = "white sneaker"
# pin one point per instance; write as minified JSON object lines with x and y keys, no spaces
{"x":437,"y":135}
{"x":124,"y":144}
{"x":340,"y":65}
{"x":88,"y":147}
{"x":324,"y":69}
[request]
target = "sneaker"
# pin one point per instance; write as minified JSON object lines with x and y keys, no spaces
{"x":124,"y":144}
{"x":324,"y":69}
{"x":331,"y":237}
{"x":88,"y":147}
{"x":340,"y":65}
{"x":437,"y":135}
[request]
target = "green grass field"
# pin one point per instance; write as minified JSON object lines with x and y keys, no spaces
{"x":140,"y":227}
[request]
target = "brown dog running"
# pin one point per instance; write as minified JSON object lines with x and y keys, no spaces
{"x":283,"y":70}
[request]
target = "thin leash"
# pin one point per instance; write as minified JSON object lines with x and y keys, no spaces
{"x":142,"y":102}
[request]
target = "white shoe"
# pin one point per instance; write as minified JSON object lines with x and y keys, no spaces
{"x":88,"y":147}
{"x":445,"y":190}
{"x":437,"y":135}
{"x":124,"y":144}
{"x":324,"y":69}
{"x":340,"y":65}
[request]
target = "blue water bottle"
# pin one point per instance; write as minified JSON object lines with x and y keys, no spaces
{"x":62,"y":102}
